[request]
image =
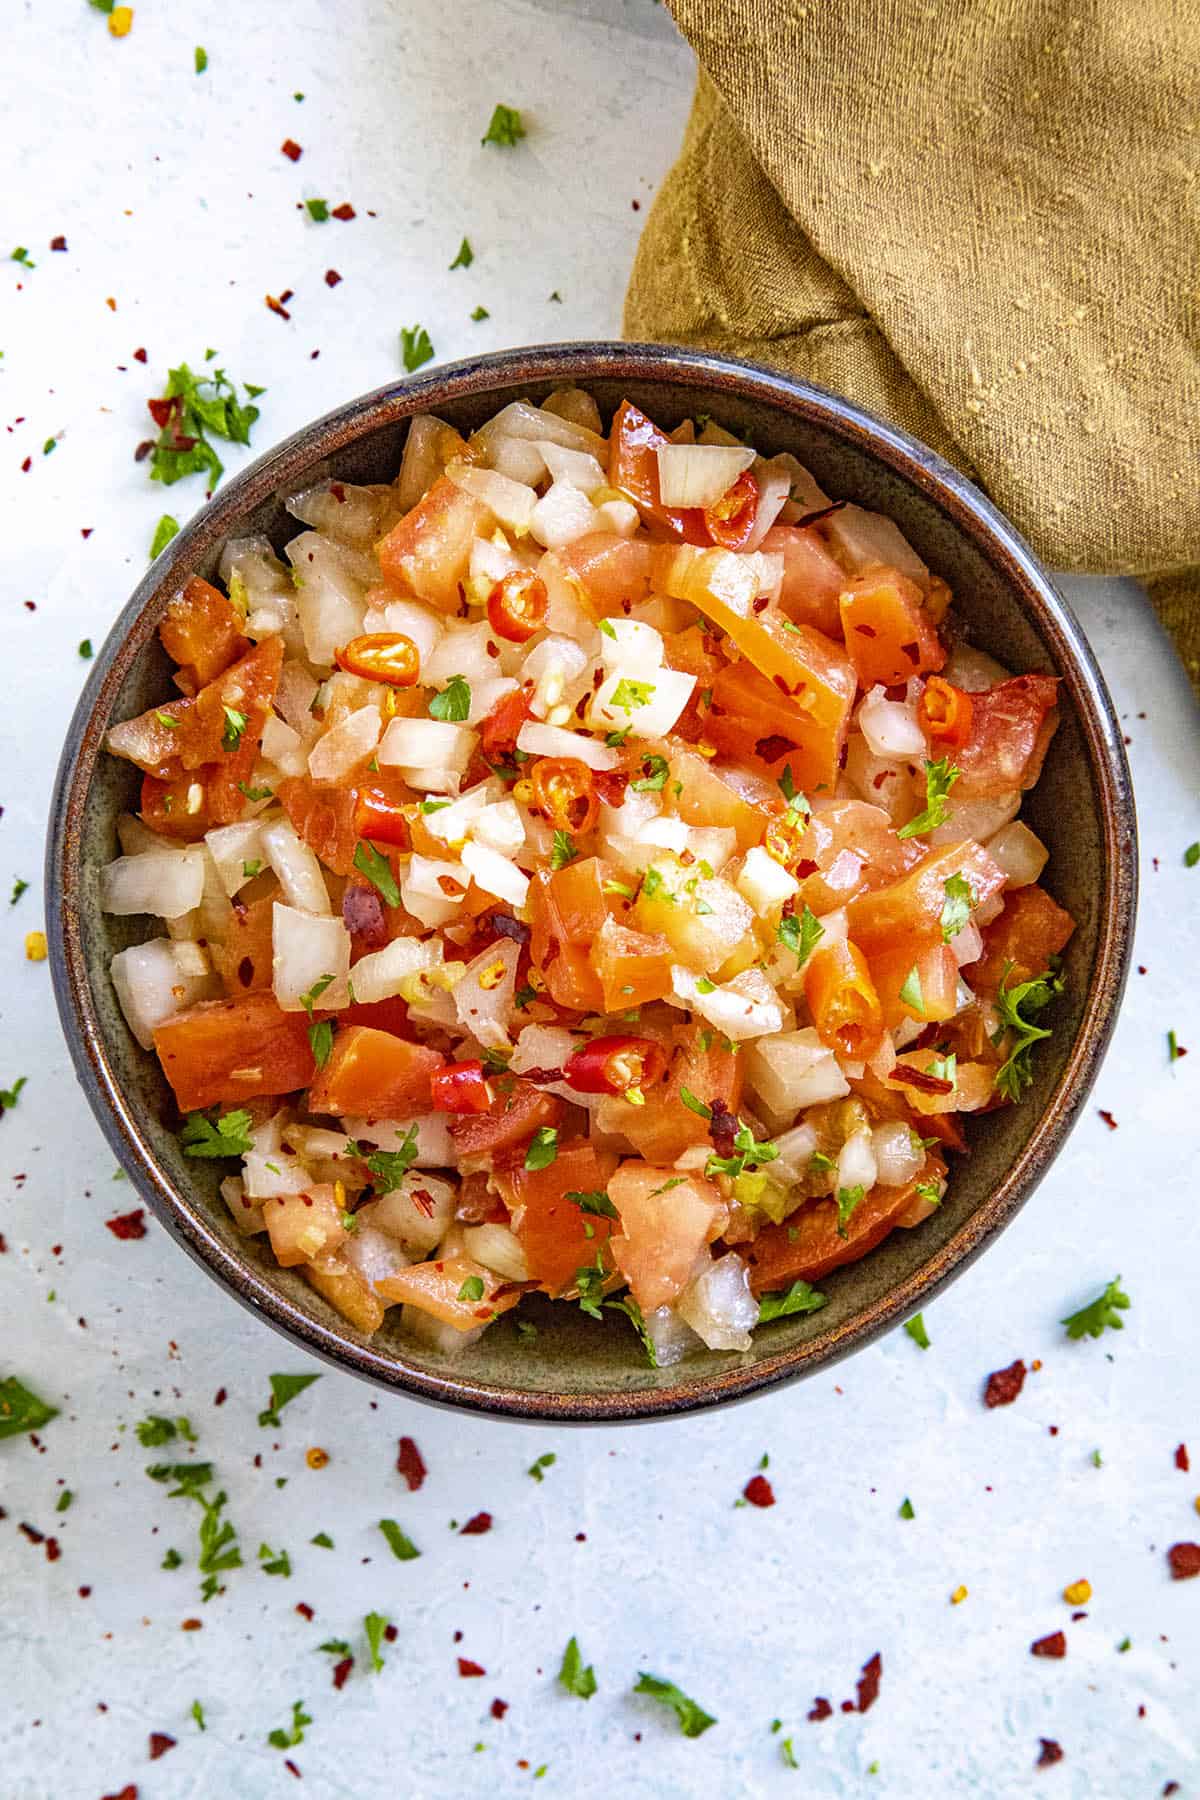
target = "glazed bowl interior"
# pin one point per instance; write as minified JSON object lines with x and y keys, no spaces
{"x":577,"y":1368}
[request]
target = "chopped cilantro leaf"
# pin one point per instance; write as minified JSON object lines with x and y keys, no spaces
{"x":274,"y":1562}
{"x":537,"y":1468}
{"x":911,"y":992}
{"x":21,"y":1410}
{"x":627,"y":694}
{"x":504,"y":128}
{"x":800,"y":935}
{"x":471,"y":1289}
{"x":1104,"y":1311}
{"x":847,"y":1200}
{"x":284,"y":1389}
{"x":19,"y":887}
{"x":940,"y":777}
{"x":693,"y":1104}
{"x":10,"y":1096}
{"x":465,"y":257}
{"x":543,"y":1148}
{"x":398,"y":1542}
{"x":85,"y":649}
{"x":318,"y":211}
{"x":633,"y":1312}
{"x":453,"y":704}
{"x":915,"y":1327}
{"x":907,"y":1509}
{"x":21,"y":254}
{"x":1191,"y":855}
{"x":564,"y":850}
{"x":378,"y":871}
{"x":200,"y":62}
{"x":322,"y":1540}
{"x":572,"y":1675}
{"x":375,"y":1625}
{"x":957,"y":909}
{"x":320,"y":1038}
{"x":235,"y":725}
{"x":1016,"y":1005}
{"x":206,"y":1134}
{"x":205,"y":403}
{"x":799,"y":1298}
{"x":596,"y":1203}
{"x":693,"y":1720}
{"x":198,"y":1714}
{"x":279,"y":1739}
{"x":389,"y":1167}
{"x":481,"y":312}
{"x":415,"y":347}
{"x":164,"y":531}
{"x":172,"y":1560}
{"x":655,"y":777}
{"x":590,"y":1281}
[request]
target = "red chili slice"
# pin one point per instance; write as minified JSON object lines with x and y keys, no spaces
{"x":731,"y":520}
{"x":564,"y":792}
{"x":381,"y":819}
{"x":613,"y":1065}
{"x":517,"y":605}
{"x":944,"y":713}
{"x":386,"y":656}
{"x":460,"y":1088}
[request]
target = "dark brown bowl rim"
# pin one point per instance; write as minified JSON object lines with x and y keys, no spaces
{"x":973,"y":515}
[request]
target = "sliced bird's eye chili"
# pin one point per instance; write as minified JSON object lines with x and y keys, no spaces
{"x":565,"y":794}
{"x":944,"y":713}
{"x":613,"y":1065}
{"x":730,"y":520}
{"x":517,"y":605}
{"x":386,"y":656}
{"x":461,"y":1088}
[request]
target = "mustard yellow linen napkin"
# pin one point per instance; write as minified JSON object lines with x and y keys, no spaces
{"x":977,"y":217}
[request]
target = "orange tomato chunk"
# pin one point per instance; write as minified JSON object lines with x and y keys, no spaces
{"x":373,"y":1074}
{"x":1031,"y":929}
{"x":428,"y":551}
{"x":549,"y":1225}
{"x":222,"y":1052}
{"x":889,"y":635}
{"x":806,"y":1246}
{"x":661,"y":1232}
{"x":201,"y":631}
{"x":911,"y":908}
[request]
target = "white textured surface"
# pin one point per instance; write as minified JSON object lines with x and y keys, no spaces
{"x":175,"y":201}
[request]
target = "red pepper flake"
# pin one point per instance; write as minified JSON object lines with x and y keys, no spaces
{"x":1050,"y":1752}
{"x":821,"y":1708}
{"x":1181,"y":1458}
{"x":466,"y":1667}
{"x":58,"y":243}
{"x":1184,"y":1560}
{"x":332,"y":278}
{"x":291,"y":149}
{"x":128,"y":1792}
{"x":139,"y":355}
{"x":192,"y":1625}
{"x":291,"y":1768}
{"x":160,"y":1743}
{"x":391,"y":1633}
{"x":475,"y":1527}
{"x":277,"y":306}
{"x":1108,"y":1118}
{"x":27,"y":465}
{"x":411,"y":1464}
{"x":498,"y":1708}
{"x":1004,"y":1385}
{"x":84,"y":1592}
{"x":342,"y":1670}
{"x":128,"y":1225}
{"x":304,"y":1609}
{"x":758,"y":1491}
{"x":344,"y":212}
{"x":1053,"y":1644}
{"x":53,"y":1549}
{"x":220,"y":1397}
{"x":868,"y":1683}
{"x":32,"y":1533}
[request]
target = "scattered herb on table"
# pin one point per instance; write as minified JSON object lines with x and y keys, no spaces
{"x":20,"y":887}
{"x":274,"y":1562}
{"x":537,"y":1470}
{"x":375,"y":1625}
{"x":21,"y":1409}
{"x":1104,"y":1312}
{"x":281,"y":1739}
{"x":574,"y":1676}
{"x":398,"y":1541}
{"x":284,"y":1389}
{"x":465,"y":257}
{"x":164,"y":531}
{"x":915,"y":1327}
{"x":693,"y":1720}
{"x":505,"y":127}
{"x":192,"y":407}
{"x":415,"y":347}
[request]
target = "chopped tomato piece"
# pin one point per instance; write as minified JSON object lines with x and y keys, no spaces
{"x":634,"y":967}
{"x":517,"y":605}
{"x":633,"y":467}
{"x":373,"y":1075}
{"x":353,"y":1298}
{"x":177,"y":808}
{"x":665,"y":1126}
{"x":889,"y":635}
{"x":613,"y":1065}
{"x":847,"y":848}
{"x":201,"y":631}
{"x":754,"y":717}
{"x":565,"y":794}
{"x":245,"y":958}
{"x":944,"y":713}
{"x":303,"y":1227}
{"x":933,"y":1083}
{"x":911,"y":908}
{"x":380,"y":819}
{"x":916,"y":983}
{"x":455,"y":1289}
{"x":222,"y":1052}
{"x":842,"y":1000}
{"x":1011,"y":728}
{"x":606,"y":570}
{"x":225,"y":727}
{"x":389,"y":1015}
{"x":386,"y":656}
{"x":325,"y":817}
{"x":721,"y":794}
{"x":515,"y":1115}
{"x":812,"y":578}
{"x":427,"y":553}
{"x":568,"y":909}
{"x":1031,"y":929}
{"x":499,"y":731}
{"x":461,"y":1087}
{"x":730,"y":520}
{"x":807,"y":1247}
{"x":665,"y":1223}
{"x":550,"y":1225}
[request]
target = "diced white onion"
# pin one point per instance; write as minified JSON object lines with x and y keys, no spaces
{"x":513,"y":502}
{"x":329,"y":600}
{"x":652,"y":710}
{"x":500,"y":827}
{"x":775,"y":482}
{"x":231,"y":848}
{"x":543,"y":1047}
{"x":498,"y":1249}
{"x":156,"y":980}
{"x":450,"y":824}
{"x":518,"y":458}
{"x":967,"y":944}
{"x":897,"y":1153}
{"x":765,"y":883}
{"x":621,"y":516}
{"x":422,"y":892}
{"x":973,"y":670}
{"x":297,"y":868}
{"x":555,"y":666}
{"x":246,"y":1215}
{"x":168,"y":883}
{"x":433,"y":1143}
{"x":414,"y":621}
{"x":794,"y":1070}
{"x":304,"y":949}
{"x":282,"y":746}
{"x":462,"y":650}
{"x":979,"y":819}
{"x":495,"y":873}
{"x":861,"y":539}
{"x":672,"y":1338}
{"x":446,"y":1341}
{"x":890,"y":726}
{"x":577,"y":467}
{"x":521,"y":420}
{"x":427,"y":743}
{"x":382,"y":974}
{"x":698,"y":474}
{"x":483,"y":998}
{"x":554,"y":740}
{"x":562,"y":515}
{"x":631,"y":646}
{"x":796,"y":1148}
{"x":743,"y":1008}
{"x":420,"y":1224}
{"x":856,"y":1162}
{"x":348,"y":514}
{"x":373,"y":1253}
{"x":345,"y":745}
{"x":718,"y":1305}
{"x":486,"y":695}
{"x":1020,"y":853}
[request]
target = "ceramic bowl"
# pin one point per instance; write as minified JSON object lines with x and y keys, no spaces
{"x":577,"y":1369}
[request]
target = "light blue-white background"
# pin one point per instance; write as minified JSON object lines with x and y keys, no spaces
{"x":177,"y":204}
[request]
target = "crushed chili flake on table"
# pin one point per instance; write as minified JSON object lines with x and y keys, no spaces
{"x":1053,"y":1644}
{"x":332,"y":278}
{"x":821,"y":1709}
{"x":291,"y":149}
{"x":128,"y":1792}
{"x":498,"y":1708}
{"x":1107,"y":1117}
{"x":1184,"y":1560}
{"x":1003,"y":1385}
{"x":53,"y":1549}
{"x":344,"y":212}
{"x":467,"y":1668}
{"x":1181,"y":1458}
{"x":128,"y":1225}
{"x":476,"y":1526}
{"x":304,"y":1609}
{"x":410,"y":1464}
{"x":1050,"y":1752}
{"x":341,"y":1670}
{"x":868,"y":1683}
{"x":758,"y":1491}
{"x":160,"y":1743}
{"x":959,"y":1595}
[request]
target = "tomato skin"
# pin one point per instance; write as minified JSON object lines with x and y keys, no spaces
{"x":612,"y":1065}
{"x":224,"y":1052}
{"x":201,"y":631}
{"x":381,"y":819}
{"x":386,"y":656}
{"x":807,"y":1246}
{"x":498,"y":732}
{"x":517,"y":605}
{"x":731,"y":520}
{"x":551,"y":1227}
{"x":461,"y":1088}
{"x":565,"y":794}
{"x":889,"y":635}
{"x":511,"y":1120}
{"x":944,"y":713}
{"x":842,"y":999}
{"x":1031,"y":929}
{"x":373,"y":1074}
